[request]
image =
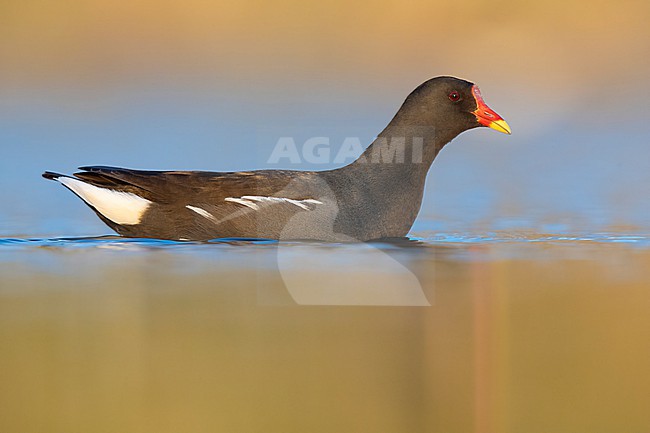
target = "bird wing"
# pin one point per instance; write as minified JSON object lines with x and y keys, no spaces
{"x":170,"y":187}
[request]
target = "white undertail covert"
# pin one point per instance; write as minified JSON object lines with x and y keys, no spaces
{"x":118,"y":206}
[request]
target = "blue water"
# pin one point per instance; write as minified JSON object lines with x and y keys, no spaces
{"x":511,"y":244}
{"x":437,"y":239}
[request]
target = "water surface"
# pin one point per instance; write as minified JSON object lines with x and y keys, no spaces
{"x":510,"y":331}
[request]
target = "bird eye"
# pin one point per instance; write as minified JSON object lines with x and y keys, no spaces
{"x":454,"y":96}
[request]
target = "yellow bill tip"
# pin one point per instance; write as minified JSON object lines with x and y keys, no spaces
{"x":501,"y":126}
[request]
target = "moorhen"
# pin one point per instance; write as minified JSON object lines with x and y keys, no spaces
{"x":377,"y":196}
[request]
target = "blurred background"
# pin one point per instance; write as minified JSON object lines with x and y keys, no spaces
{"x":534,"y":248}
{"x":212,"y":85}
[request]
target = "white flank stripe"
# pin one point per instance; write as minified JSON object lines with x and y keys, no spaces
{"x":250,"y":201}
{"x":204,"y":213}
{"x":242,"y":201}
{"x":120,"y":207}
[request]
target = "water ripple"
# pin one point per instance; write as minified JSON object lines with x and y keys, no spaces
{"x":117,"y":242}
{"x":642,"y":240}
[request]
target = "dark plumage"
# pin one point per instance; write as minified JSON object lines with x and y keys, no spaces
{"x":377,"y":196}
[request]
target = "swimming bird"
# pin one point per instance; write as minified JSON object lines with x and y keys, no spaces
{"x":376,"y":196}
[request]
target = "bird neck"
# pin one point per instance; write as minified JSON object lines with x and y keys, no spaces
{"x":401,"y":153}
{"x":387,"y":181}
